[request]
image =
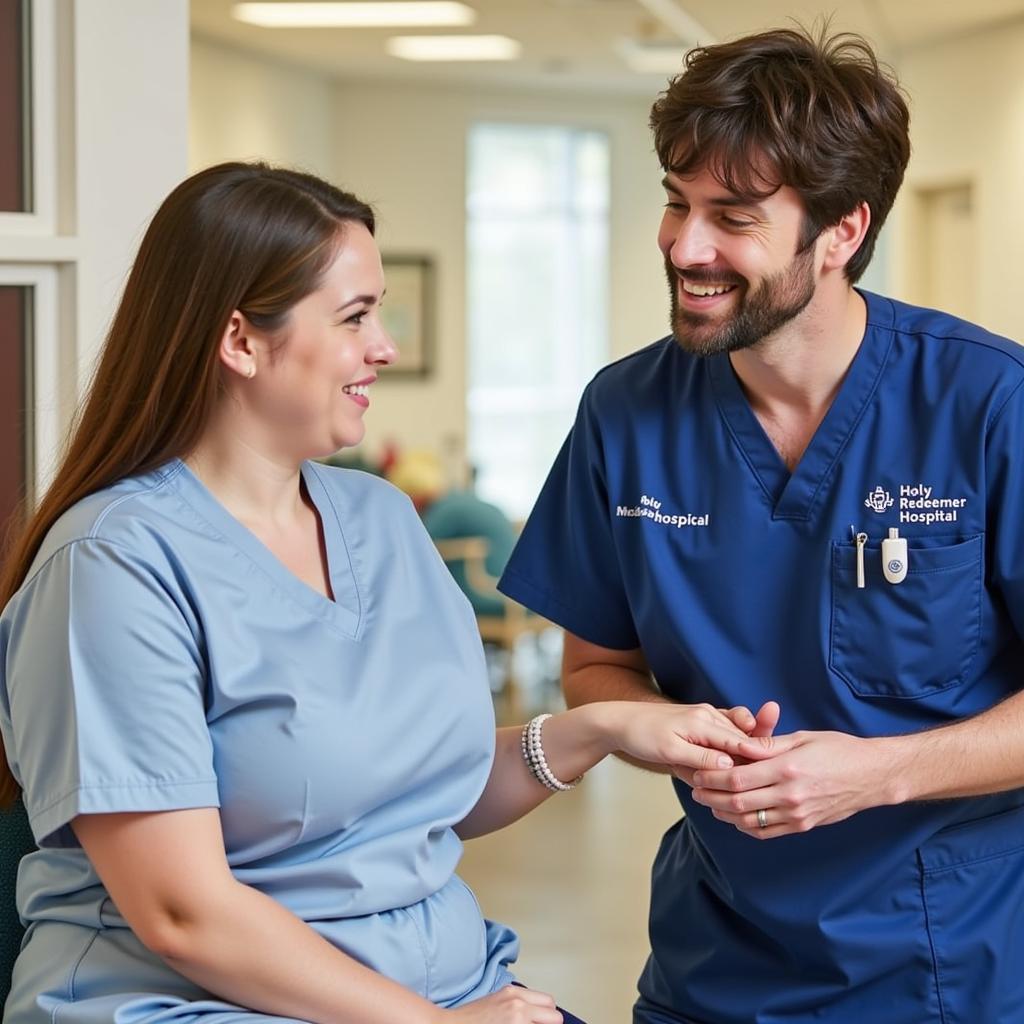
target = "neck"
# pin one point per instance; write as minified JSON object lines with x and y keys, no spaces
{"x":799,"y":369}
{"x":255,"y":488}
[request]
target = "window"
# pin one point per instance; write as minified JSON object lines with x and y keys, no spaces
{"x":33,"y":82}
{"x":15,"y":176}
{"x":15,"y":387}
{"x":537,"y":282}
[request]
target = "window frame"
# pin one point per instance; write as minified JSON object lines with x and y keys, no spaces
{"x":43,"y":362}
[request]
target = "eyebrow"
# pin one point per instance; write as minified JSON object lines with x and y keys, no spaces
{"x":728,"y":200}
{"x":368,"y":300}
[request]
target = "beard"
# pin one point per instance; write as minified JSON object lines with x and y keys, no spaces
{"x":778,"y":299}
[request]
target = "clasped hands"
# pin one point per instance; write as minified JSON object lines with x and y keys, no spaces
{"x":765,"y":785}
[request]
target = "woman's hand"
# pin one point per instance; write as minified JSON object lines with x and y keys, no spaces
{"x":688,"y":737}
{"x":510,"y":1005}
{"x":755,"y":726}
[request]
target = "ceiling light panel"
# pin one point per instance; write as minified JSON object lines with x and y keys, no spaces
{"x":393,"y":14}
{"x":451,"y":48}
{"x":653,"y":58}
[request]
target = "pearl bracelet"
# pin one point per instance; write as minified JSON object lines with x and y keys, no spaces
{"x":533,"y":755}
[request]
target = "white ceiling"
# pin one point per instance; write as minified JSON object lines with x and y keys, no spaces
{"x":572,"y":44}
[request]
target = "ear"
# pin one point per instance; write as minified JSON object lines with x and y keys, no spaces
{"x":237,"y":351}
{"x":842,"y":240}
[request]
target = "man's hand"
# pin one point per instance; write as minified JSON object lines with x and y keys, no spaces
{"x":811,"y":779}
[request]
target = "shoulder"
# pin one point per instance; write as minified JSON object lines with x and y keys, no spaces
{"x":962,"y":351}
{"x":136,"y":515}
{"x":651,"y":372}
{"x":361,"y":493}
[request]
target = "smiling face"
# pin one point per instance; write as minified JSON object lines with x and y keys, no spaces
{"x":735,"y":275}
{"x":311,"y":390}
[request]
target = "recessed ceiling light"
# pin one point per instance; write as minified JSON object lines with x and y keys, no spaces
{"x":453,"y":47}
{"x":398,"y":13}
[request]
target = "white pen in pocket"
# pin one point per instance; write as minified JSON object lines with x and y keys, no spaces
{"x":861,"y":539}
{"x":894,"y":557}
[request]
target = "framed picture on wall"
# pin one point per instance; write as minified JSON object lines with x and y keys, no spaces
{"x":408,"y":313}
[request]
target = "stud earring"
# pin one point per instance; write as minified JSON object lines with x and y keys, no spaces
{"x":251,"y":372}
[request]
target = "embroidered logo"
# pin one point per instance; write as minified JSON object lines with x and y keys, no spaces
{"x":878,"y":500}
{"x":917,"y":504}
{"x":650,"y":508}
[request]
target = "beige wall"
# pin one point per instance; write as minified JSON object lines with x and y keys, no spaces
{"x":403,"y":149}
{"x":246,"y":107}
{"x":131,"y":124}
{"x":968,"y":126}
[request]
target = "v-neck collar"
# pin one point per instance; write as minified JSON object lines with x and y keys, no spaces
{"x":793,"y":495}
{"x":344,"y":612}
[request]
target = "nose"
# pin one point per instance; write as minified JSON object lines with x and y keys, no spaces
{"x":687,"y":242}
{"x":382,"y":350}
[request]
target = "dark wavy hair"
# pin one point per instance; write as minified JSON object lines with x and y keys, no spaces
{"x":241,"y":236}
{"x":817,"y":113}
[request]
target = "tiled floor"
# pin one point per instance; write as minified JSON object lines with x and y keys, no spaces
{"x":573,"y":879}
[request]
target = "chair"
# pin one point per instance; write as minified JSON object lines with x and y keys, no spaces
{"x":510,"y":620}
{"x":475,"y":538}
{"x":462,"y":515}
{"x":15,"y":841}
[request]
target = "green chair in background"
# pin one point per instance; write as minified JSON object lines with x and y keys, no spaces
{"x":15,"y":841}
{"x":460,"y":516}
{"x":475,"y":539}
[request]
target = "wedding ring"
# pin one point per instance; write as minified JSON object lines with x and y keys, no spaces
{"x":762,"y":818}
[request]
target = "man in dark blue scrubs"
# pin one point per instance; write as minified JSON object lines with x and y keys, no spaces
{"x":807,"y":499}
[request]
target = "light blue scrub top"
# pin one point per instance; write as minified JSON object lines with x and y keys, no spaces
{"x":159,"y":657}
{"x":669,"y":522}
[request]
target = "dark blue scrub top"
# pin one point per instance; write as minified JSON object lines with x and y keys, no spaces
{"x":669,"y":522}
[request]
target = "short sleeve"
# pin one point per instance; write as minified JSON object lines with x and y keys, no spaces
{"x":104,"y":691}
{"x":1005,"y":504}
{"x":565,"y":565}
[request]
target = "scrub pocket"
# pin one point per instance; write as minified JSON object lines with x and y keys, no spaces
{"x":911,"y":639}
{"x":973,"y":884}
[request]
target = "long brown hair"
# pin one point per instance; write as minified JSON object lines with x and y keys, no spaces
{"x":820,"y":114}
{"x":242,"y":236}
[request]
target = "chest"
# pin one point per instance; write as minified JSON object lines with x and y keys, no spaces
{"x":302,"y":551}
{"x":324,"y":717}
{"x":789,"y":433}
{"x":744,"y":585}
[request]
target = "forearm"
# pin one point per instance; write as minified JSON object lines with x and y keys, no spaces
{"x":979,"y":755}
{"x":594,"y":683}
{"x":250,"y":950}
{"x":574,"y":741}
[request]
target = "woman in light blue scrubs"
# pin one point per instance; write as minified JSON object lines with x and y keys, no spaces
{"x":243,"y":698}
